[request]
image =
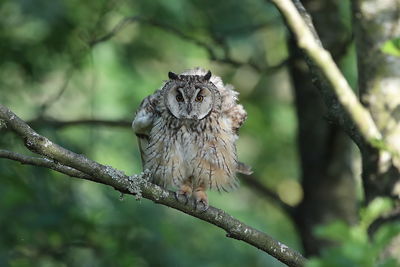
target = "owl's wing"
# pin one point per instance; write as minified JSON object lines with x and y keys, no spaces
{"x":231,"y":109}
{"x":237,"y":115}
{"x":143,"y":121}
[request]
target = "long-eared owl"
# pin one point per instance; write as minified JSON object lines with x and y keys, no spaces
{"x":187,"y":132}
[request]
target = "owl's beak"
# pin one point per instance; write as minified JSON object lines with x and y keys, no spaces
{"x":189,"y":108}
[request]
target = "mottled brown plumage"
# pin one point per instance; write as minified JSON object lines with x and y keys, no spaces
{"x":187,"y":132}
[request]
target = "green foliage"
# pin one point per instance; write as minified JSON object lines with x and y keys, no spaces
{"x":352,"y":244}
{"x":392,"y":47}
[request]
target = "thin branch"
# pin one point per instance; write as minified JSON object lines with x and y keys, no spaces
{"x":254,"y":183}
{"x":225,"y":59}
{"x":182,"y":35}
{"x":307,"y":39}
{"x":117,"y":28}
{"x":392,"y":216}
{"x":51,"y":100}
{"x":138,"y":185}
{"x":44,"y":162}
{"x":245,"y":29}
{"x":38,"y":122}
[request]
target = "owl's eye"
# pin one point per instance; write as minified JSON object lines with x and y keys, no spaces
{"x":179,"y":97}
{"x":199,"y":98}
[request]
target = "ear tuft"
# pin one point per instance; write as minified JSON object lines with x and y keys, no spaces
{"x":207,"y":76}
{"x":173,"y":76}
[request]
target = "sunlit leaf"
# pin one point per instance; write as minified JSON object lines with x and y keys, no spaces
{"x":375,"y":209}
{"x":385,"y":234}
{"x":392,"y":47}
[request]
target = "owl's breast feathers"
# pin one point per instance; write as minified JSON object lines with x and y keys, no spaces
{"x":204,"y":150}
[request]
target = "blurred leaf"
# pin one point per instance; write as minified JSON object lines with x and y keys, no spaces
{"x":336,"y":231}
{"x":352,"y":245}
{"x":375,"y":209}
{"x":385,"y":234}
{"x":392,"y":47}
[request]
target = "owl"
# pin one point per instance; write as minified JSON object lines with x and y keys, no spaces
{"x":187,"y":132}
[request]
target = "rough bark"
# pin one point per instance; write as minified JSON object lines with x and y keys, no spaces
{"x":376,"y":22}
{"x":325,"y":150}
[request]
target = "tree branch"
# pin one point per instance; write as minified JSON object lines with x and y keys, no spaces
{"x":139,"y":186}
{"x":44,"y":162}
{"x":51,"y":100}
{"x":117,"y":28}
{"x":392,"y":216}
{"x":254,"y":183}
{"x":308,"y":41}
{"x":251,"y":181}
{"x":38,"y":122}
{"x":225,"y":59}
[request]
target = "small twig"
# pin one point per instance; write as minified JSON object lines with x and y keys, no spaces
{"x":245,"y":29}
{"x":69,"y":72}
{"x":139,"y":186}
{"x":226,"y":58}
{"x":120,"y":25}
{"x":49,"y":102}
{"x":267,"y":192}
{"x":106,"y":7}
{"x":392,"y":216}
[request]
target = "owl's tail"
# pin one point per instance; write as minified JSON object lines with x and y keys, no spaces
{"x":243,"y":168}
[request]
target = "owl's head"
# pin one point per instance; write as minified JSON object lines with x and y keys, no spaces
{"x":190,"y":96}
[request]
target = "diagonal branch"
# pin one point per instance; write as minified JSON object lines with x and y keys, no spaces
{"x":254,"y":183}
{"x":299,"y":22}
{"x":51,"y":100}
{"x":38,"y":122}
{"x":117,"y":28}
{"x":251,"y":181}
{"x":139,"y":186}
{"x":44,"y":162}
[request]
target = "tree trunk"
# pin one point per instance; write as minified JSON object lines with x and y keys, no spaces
{"x":376,"y":22}
{"x":325,"y":150}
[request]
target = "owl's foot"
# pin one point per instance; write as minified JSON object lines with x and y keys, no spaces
{"x":182,"y":197}
{"x":183,"y":194}
{"x":201,"y":200}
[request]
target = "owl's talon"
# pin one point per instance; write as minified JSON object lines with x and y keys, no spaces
{"x":201,"y":205}
{"x":201,"y":199}
{"x":182,"y":197}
